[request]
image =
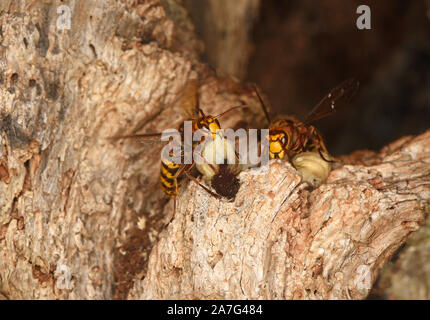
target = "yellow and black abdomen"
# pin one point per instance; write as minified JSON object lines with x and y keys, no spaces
{"x":169,"y":183}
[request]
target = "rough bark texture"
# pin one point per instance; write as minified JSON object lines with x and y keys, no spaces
{"x":407,"y":275}
{"x":226,"y":27}
{"x":278,"y":240}
{"x":71,"y":199}
{"x":68,"y":197}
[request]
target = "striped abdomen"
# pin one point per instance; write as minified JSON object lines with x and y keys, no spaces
{"x":168,"y":171}
{"x":169,"y":183}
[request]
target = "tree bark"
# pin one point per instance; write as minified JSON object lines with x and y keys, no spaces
{"x":79,"y":215}
{"x":279,"y":240}
{"x":226,"y":28}
{"x":70,"y":199}
{"x":407,"y":275}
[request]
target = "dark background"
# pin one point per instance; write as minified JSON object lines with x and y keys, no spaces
{"x":301,"y":49}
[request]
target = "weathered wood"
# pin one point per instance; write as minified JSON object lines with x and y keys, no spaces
{"x":226,"y":28}
{"x":72,"y":201}
{"x":278,"y":240}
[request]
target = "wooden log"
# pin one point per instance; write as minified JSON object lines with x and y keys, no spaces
{"x":279,"y":240}
{"x":79,"y":215}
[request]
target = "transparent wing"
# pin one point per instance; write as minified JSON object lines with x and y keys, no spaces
{"x":144,"y":137}
{"x":188,"y":104}
{"x":188,"y":99}
{"x":154,"y":137}
{"x":336,"y":99}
